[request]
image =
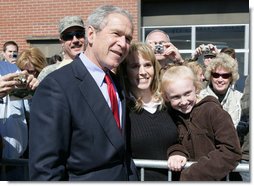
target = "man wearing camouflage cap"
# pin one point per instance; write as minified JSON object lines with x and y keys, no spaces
{"x":72,"y":39}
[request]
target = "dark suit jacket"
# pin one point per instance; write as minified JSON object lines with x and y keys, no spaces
{"x":73,"y":134}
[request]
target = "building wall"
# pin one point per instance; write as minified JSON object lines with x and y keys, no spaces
{"x":30,"y":20}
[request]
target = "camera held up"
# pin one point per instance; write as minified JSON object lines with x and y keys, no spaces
{"x":159,"y":48}
{"x":205,"y":48}
{"x":21,"y":91}
{"x":22,"y":79}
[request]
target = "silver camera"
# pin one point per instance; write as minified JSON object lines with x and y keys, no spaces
{"x":205,"y":48}
{"x":21,"y":91}
{"x":21,"y":78}
{"x":159,"y":48}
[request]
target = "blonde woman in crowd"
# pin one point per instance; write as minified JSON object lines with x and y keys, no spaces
{"x":222,"y":74}
{"x":32,"y":60}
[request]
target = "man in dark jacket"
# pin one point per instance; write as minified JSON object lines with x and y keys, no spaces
{"x":74,"y":135}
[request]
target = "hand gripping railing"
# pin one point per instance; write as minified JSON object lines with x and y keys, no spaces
{"x":162,"y":164}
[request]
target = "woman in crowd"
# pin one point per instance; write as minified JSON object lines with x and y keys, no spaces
{"x":32,"y":60}
{"x":222,"y":73}
{"x":151,"y":129}
{"x":206,"y":132}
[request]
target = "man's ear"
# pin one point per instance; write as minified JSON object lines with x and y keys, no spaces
{"x":91,"y":34}
{"x":61,"y":42}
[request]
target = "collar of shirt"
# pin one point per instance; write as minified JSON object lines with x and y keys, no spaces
{"x":97,"y":73}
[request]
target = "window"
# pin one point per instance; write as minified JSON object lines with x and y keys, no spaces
{"x":187,"y":38}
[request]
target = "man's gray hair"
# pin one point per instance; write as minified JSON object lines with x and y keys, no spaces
{"x":99,"y":15}
{"x":156,"y":30}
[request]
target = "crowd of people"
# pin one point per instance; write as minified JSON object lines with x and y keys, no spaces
{"x":86,"y":114}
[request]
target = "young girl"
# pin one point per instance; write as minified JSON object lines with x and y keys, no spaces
{"x":206,"y":133}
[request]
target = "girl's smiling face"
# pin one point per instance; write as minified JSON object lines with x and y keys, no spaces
{"x":181,"y":93}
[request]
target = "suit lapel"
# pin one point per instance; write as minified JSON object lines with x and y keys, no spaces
{"x":98,"y":104}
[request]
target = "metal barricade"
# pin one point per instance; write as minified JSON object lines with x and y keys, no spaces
{"x":141,"y":163}
{"x":160,"y":164}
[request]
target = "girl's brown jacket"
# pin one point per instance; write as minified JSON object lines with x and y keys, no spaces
{"x":207,"y":136}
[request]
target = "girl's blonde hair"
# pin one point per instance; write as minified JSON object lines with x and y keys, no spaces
{"x":177,"y":72}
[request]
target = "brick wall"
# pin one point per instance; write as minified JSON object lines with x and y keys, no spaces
{"x":22,"y":19}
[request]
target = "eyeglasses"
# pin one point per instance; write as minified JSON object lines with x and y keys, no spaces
{"x":69,"y":35}
{"x":224,"y":76}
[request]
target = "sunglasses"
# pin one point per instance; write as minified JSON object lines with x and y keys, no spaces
{"x":69,"y":35}
{"x":224,"y":76}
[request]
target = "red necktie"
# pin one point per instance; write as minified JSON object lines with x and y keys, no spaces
{"x":113,"y":99}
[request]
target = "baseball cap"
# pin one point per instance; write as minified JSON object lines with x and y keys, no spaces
{"x":70,"y":21}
